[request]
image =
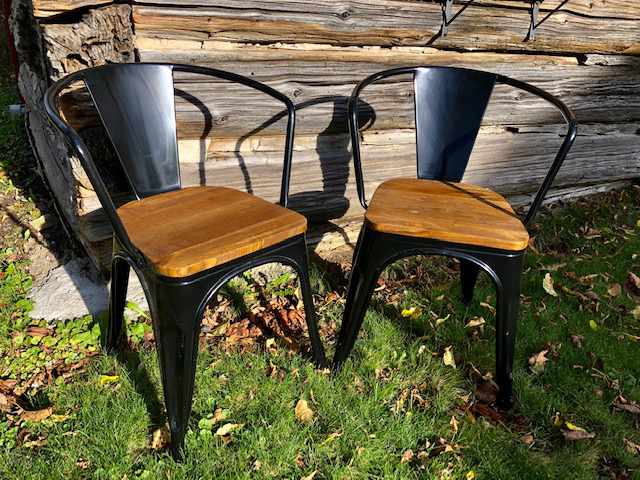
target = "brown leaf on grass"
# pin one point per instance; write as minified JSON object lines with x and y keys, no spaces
{"x":454,"y":424}
{"x":527,"y":439}
{"x":482,"y":410}
{"x":537,"y":361}
{"x":7,"y":386}
{"x":574,"y":435}
{"x":83,"y":464}
{"x":448,"y":358}
{"x":6,"y":402}
{"x":36,"y":415}
{"x":487,"y":392}
{"x":547,"y":285}
{"x":577,"y":340}
{"x":475,"y":322}
{"x":311,"y":476}
{"x":38,"y":331}
{"x":300,"y":461}
{"x":631,"y":447}
{"x":407,"y":456}
{"x":633,"y":284}
{"x":160,"y":438}
{"x":228,"y":428}
{"x":614,"y":290}
{"x":303,"y":413}
{"x":621,"y":403}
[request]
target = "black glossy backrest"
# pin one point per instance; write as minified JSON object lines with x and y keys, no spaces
{"x":136,"y":105}
{"x":137,"y":108}
{"x":449,"y":104}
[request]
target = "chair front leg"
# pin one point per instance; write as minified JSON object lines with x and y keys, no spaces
{"x":176,"y":317}
{"x":508,"y":271}
{"x":366,"y":268}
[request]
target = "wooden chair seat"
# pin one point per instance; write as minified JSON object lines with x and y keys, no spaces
{"x":447,"y":211}
{"x":187,"y":231}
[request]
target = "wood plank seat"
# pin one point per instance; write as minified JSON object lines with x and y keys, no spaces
{"x":447,"y":211}
{"x":184,"y":232}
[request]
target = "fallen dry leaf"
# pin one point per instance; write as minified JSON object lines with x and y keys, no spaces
{"x":311,"y":476}
{"x":547,"y":284}
{"x":160,"y":438}
{"x":107,"y":379}
{"x":475,"y":322}
{"x":621,"y":403}
{"x":36,"y":415}
{"x":454,"y":424}
{"x":527,"y":439}
{"x":407,"y":456}
{"x":537,"y":361}
{"x":577,"y":340}
{"x":487,"y":392}
{"x":573,"y":435}
{"x":631,"y":447}
{"x":303,"y":413}
{"x":413,"y":313}
{"x":228,"y":428}
{"x":632,"y":284}
{"x":448,"y":358}
{"x":6,"y":402}
{"x":614,"y":290}
{"x":636,"y":312}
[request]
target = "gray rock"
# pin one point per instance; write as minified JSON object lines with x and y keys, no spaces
{"x":74,"y":289}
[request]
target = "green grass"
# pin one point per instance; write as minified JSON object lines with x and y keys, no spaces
{"x":393,"y":396}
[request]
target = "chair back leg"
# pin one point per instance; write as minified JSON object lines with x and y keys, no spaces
{"x":298,"y":254}
{"x":468,"y":276}
{"x":117,"y":302}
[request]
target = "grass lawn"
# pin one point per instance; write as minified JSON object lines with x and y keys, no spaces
{"x":414,"y":401}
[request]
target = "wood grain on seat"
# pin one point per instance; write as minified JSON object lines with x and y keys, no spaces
{"x":446,"y":211}
{"x":190,"y":230}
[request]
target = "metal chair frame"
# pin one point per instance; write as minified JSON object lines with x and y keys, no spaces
{"x":136,"y":106}
{"x":443,"y":155}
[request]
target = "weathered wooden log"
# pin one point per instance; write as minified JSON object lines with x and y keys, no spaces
{"x":323,"y":187}
{"x":315,"y":52}
{"x":48,"y":52}
{"x":483,"y":25}
{"x":50,"y":8}
{"x":320,"y":86}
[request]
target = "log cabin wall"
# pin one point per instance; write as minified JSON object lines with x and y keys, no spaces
{"x":587,"y":52}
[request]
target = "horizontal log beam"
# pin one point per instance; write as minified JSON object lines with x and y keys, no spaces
{"x":50,"y":8}
{"x":319,"y":82}
{"x":483,"y":25}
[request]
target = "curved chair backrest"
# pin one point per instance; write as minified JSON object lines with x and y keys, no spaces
{"x":449,"y":105}
{"x":136,"y":103}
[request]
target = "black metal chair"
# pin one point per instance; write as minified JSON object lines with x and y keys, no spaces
{"x":436,"y":214}
{"x":184,"y":243}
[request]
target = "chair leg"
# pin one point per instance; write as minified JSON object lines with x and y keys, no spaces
{"x":508,"y":304}
{"x":364,"y":274}
{"x":468,"y":275}
{"x":177,"y":329}
{"x":301,"y":259}
{"x":117,"y":302}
